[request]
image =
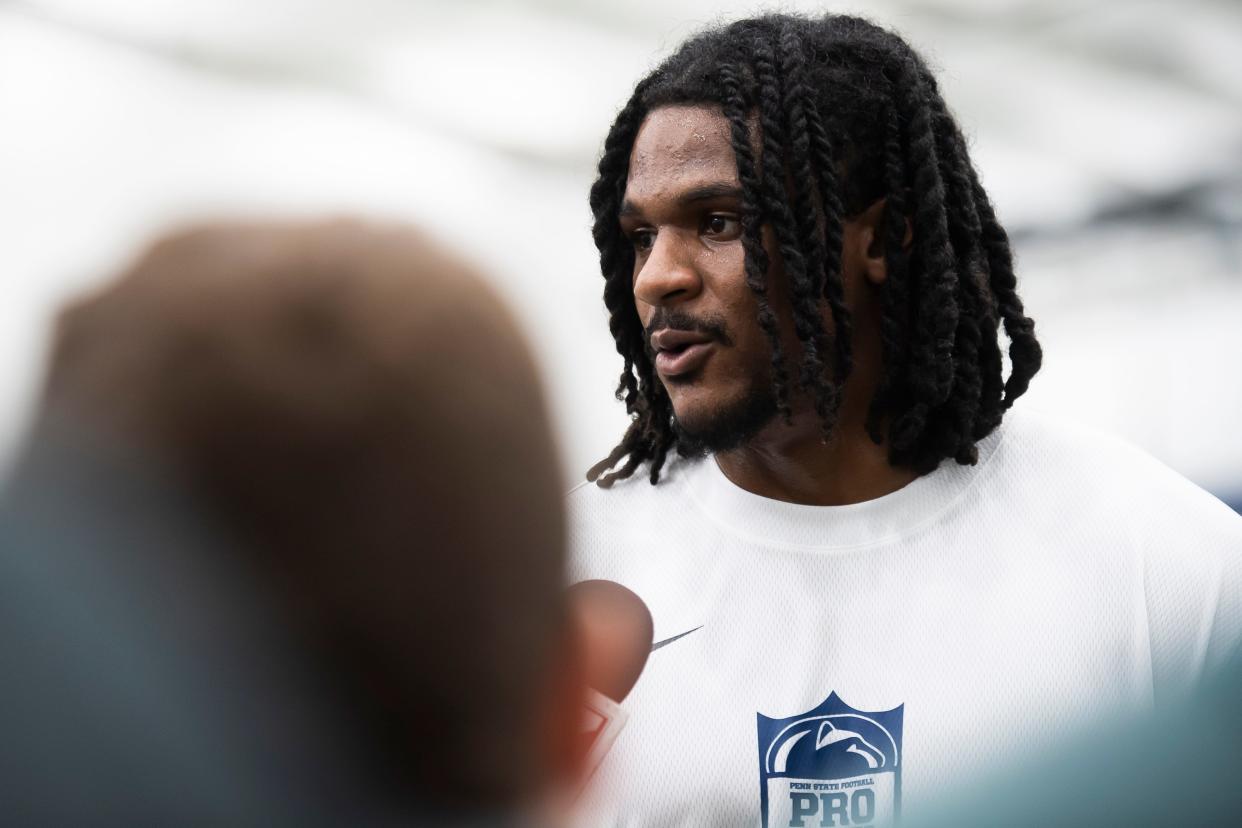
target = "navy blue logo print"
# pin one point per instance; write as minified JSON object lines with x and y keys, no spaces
{"x":832,"y":765}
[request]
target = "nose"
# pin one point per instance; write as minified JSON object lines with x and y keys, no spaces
{"x":668,"y":276}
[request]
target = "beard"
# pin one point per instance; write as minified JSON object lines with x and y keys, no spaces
{"x":729,"y":427}
{"x":738,"y":421}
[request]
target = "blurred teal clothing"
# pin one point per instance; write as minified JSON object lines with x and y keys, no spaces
{"x":143,"y":684}
{"x":1178,"y":767}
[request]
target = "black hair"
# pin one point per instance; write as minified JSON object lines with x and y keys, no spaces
{"x":847,"y":114}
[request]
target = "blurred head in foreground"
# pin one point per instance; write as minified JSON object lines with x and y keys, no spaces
{"x":354,"y":420}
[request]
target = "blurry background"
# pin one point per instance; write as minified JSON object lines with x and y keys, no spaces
{"x":1109,"y":133}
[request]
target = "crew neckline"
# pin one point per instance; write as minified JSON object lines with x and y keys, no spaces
{"x":772,"y":522}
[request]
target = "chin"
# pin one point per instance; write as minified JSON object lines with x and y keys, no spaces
{"x":709,"y":423}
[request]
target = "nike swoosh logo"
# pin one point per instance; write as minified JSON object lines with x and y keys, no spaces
{"x":660,"y":644}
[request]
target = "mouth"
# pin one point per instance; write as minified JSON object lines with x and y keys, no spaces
{"x":680,"y":360}
{"x":680,"y":352}
{"x":679,"y":355}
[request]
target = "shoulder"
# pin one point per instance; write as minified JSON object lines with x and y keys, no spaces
{"x":1075,"y":463}
{"x":1186,"y":543}
{"x":1046,"y":441}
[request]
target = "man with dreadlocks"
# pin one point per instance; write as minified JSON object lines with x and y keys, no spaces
{"x":848,"y":555}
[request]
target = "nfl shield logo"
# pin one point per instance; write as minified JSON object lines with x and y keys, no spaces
{"x":832,"y":765}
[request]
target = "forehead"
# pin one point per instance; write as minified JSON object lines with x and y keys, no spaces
{"x":679,"y":147}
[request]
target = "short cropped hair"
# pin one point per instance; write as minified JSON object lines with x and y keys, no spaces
{"x":361,"y":413}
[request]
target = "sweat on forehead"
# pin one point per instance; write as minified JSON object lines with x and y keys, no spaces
{"x":677,"y":148}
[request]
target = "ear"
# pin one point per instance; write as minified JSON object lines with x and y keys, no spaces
{"x":867,"y":236}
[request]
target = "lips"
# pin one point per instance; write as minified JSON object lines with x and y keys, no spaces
{"x":680,"y":352}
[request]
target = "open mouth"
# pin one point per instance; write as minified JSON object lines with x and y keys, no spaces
{"x":672,"y":339}
{"x":683,"y":358}
{"x":680,"y":352}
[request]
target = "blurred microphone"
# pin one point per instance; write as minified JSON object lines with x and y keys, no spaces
{"x":616,"y":632}
{"x":615,"y":628}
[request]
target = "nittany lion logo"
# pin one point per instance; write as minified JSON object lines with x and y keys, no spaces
{"x":832,"y":765}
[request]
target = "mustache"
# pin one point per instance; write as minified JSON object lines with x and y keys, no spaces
{"x":712,"y":325}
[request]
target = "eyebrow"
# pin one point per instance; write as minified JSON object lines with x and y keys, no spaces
{"x":707,"y":192}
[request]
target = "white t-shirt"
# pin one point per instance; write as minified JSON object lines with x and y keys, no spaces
{"x":826,"y":664}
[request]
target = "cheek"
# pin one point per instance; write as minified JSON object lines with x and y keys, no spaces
{"x":723,"y":269}
{"x":724,"y":278}
{"x":643,"y":310}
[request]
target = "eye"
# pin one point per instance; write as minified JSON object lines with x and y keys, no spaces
{"x":722,"y":226}
{"x":643,"y":240}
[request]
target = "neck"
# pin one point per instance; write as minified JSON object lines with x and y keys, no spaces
{"x":792,"y":462}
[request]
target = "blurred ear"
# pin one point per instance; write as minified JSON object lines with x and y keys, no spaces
{"x":864,"y":235}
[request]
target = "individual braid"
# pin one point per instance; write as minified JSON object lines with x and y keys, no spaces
{"x":638,"y":387}
{"x":779,"y":214}
{"x":833,"y":216}
{"x":932,"y":367}
{"x":752,"y":217}
{"x":967,"y":398}
{"x":1025,"y":353}
{"x":895,"y":319}
{"x":987,"y":232}
{"x":615,"y":255}
{"x":811,"y":164}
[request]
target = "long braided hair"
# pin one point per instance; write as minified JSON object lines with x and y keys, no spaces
{"x":847,"y":113}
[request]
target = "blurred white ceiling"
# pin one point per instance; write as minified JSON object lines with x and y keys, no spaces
{"x":1074,"y":105}
{"x":1109,"y":133}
